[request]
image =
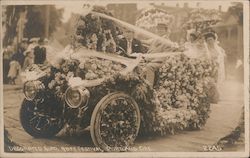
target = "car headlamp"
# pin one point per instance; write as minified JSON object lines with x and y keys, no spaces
{"x":31,"y":89}
{"x":77,"y":96}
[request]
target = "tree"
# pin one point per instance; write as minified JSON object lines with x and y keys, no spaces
{"x":36,"y":16}
{"x":12,"y":17}
{"x":237,"y":11}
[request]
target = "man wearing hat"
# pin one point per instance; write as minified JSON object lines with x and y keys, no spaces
{"x":128,"y":44}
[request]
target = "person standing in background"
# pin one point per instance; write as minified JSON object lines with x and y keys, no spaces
{"x":29,"y":59}
{"x":14,"y":70}
{"x":217,"y":54}
{"x":40,"y":53}
{"x":239,"y":67}
{"x":33,"y":43}
{"x":19,"y":55}
{"x":7,"y":54}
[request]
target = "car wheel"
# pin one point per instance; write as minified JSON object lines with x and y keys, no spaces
{"x":115,"y":122}
{"x":40,"y":122}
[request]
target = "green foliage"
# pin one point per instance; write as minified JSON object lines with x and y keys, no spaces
{"x":12,"y":16}
{"x":35,"y":25}
{"x":237,"y":11}
{"x":36,"y":20}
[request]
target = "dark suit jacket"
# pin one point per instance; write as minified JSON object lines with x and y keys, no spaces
{"x":39,"y":55}
{"x":18,"y":56}
{"x":136,"y":45}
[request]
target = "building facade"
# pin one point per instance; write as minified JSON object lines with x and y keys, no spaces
{"x":126,"y":12}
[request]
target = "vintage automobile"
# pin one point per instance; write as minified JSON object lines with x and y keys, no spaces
{"x":108,"y":105}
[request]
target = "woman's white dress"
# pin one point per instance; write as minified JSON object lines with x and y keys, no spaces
{"x":198,"y":51}
{"x":218,"y":54}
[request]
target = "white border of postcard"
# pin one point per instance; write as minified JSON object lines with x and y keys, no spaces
{"x":137,"y":154}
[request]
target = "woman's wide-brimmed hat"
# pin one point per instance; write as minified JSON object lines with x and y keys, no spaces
{"x":34,"y":39}
{"x":25,"y":40}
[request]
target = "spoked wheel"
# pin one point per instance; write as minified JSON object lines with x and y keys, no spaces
{"x":40,"y":120}
{"x":115,"y":122}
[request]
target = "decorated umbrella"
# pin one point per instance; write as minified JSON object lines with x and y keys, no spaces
{"x":200,"y":19}
{"x":150,"y":18}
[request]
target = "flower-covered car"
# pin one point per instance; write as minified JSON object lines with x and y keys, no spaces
{"x":112,"y":94}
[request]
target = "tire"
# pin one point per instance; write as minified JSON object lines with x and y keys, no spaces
{"x":32,"y":122}
{"x":115,"y":122}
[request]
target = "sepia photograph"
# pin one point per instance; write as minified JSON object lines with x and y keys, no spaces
{"x":124,"y":78}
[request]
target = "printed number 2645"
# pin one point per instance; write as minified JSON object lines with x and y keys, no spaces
{"x":212,"y":148}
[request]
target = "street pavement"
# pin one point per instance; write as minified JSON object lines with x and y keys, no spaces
{"x":224,"y":117}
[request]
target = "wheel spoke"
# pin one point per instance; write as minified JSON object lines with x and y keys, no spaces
{"x":33,"y":118}
{"x":37,"y":124}
{"x":46,"y":124}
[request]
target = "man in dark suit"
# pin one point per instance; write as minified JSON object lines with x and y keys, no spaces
{"x":40,"y":53}
{"x":19,"y":55}
{"x":128,"y":44}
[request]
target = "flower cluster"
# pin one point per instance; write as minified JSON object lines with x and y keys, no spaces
{"x":93,"y":32}
{"x":181,"y":95}
{"x":172,"y":120}
{"x":88,"y":68}
{"x":60,"y":77}
{"x":93,"y":68}
{"x":185,"y":77}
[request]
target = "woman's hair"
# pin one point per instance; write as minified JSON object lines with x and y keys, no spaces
{"x":210,"y":34}
{"x":28,"y":53}
{"x":194,"y":36}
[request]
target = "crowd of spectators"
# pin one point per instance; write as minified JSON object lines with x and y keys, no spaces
{"x":27,"y":52}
